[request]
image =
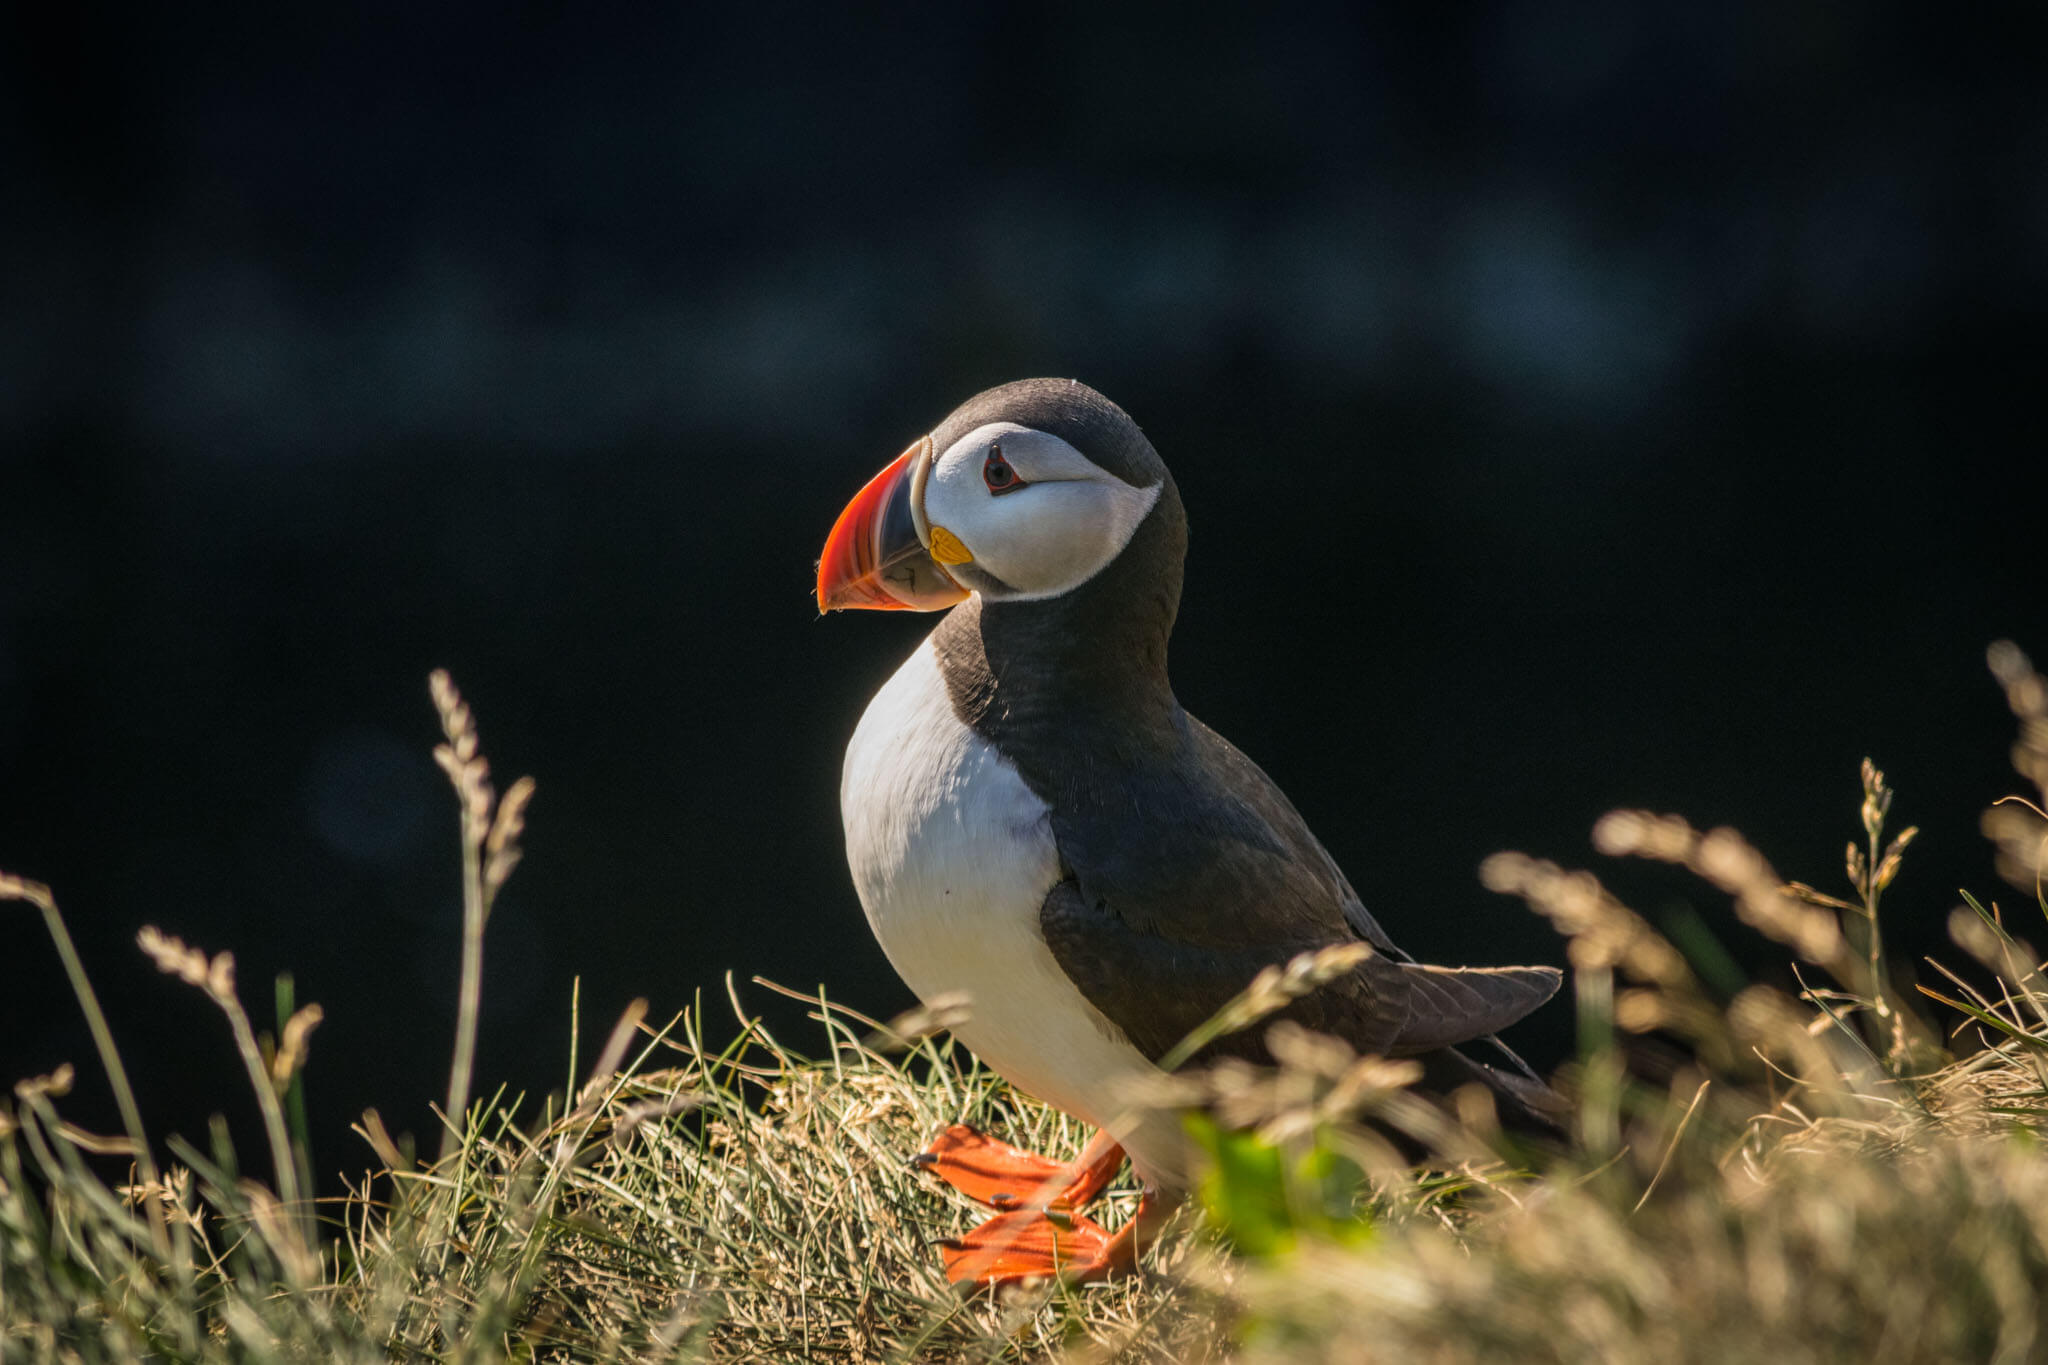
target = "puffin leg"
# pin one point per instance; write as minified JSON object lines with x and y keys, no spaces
{"x":1026,"y":1244}
{"x":994,"y":1173}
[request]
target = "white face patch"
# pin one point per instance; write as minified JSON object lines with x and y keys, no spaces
{"x":1064,"y":526}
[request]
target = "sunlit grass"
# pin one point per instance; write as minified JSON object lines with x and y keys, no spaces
{"x":1848,"y":1170}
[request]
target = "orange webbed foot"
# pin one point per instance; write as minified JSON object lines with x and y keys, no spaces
{"x":1028,"y":1245}
{"x":1037,"y":1233}
{"x":992,"y":1172}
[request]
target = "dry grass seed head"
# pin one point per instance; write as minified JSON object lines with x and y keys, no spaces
{"x":1603,"y":932}
{"x":466,"y":767}
{"x":942,"y":1013}
{"x":2016,"y":825}
{"x":13,"y":888}
{"x":2027,"y":693}
{"x":1275,"y":987}
{"x":1726,"y":859}
{"x":293,"y":1044}
{"x":215,"y":976}
{"x":501,"y":847}
{"x":50,"y":1086}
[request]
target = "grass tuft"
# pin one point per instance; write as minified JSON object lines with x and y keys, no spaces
{"x":1816,"y":1173}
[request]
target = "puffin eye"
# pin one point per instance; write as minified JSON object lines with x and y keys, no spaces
{"x":997,"y":474}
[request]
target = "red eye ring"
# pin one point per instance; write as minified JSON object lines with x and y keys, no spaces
{"x":997,"y":474}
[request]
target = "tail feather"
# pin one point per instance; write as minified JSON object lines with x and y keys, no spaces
{"x":1524,"y":1104}
{"x":1450,"y":1005}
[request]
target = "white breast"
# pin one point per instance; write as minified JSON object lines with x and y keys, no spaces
{"x":952,"y":856}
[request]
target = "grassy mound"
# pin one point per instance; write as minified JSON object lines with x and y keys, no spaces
{"x":1796,"y":1177}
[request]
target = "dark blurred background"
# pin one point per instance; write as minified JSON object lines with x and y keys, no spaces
{"x":1611,"y":405}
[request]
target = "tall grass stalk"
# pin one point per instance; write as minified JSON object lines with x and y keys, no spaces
{"x":36,"y":894}
{"x":216,"y":977}
{"x":490,"y":850}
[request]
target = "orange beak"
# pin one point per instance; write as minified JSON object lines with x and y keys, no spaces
{"x":878,"y":554}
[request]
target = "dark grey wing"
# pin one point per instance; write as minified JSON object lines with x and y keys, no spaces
{"x":1186,"y":878}
{"x":1158,"y":989}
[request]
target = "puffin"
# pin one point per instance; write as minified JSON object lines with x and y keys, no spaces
{"x":1033,"y":820}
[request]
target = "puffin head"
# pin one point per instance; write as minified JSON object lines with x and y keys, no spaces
{"x":1024,"y":493}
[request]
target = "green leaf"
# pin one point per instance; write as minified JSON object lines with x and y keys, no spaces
{"x":1265,"y":1200}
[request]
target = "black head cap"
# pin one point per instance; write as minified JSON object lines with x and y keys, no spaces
{"x":1070,"y":410}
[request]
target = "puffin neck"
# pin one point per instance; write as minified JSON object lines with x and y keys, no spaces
{"x":1059,"y":666}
